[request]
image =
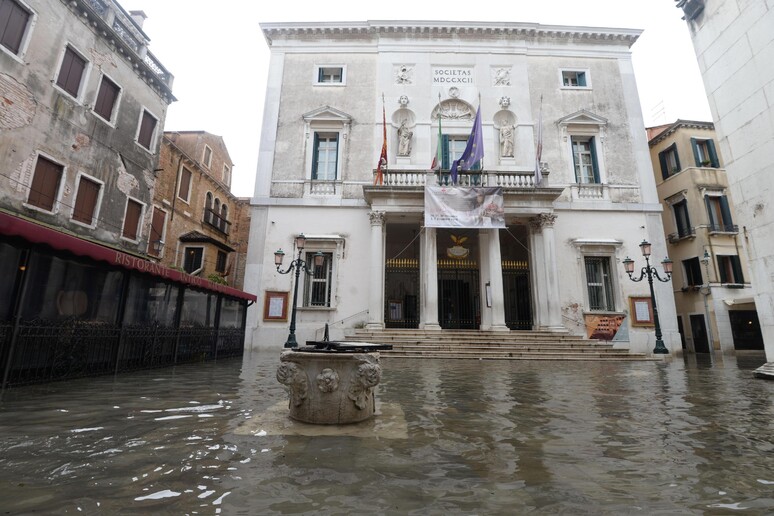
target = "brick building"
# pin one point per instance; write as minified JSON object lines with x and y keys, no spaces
{"x":201,"y":226}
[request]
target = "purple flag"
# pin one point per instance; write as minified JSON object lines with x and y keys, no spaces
{"x":474,"y":150}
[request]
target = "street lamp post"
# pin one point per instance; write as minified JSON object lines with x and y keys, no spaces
{"x":649,"y":272}
{"x":296,"y":265}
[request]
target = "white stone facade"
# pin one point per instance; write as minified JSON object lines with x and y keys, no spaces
{"x":734,"y":44}
{"x":327,"y":83}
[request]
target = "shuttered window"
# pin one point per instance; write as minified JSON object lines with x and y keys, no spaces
{"x":45,"y":184}
{"x":584,"y":156}
{"x":13,"y":22}
{"x":184,"y":191}
{"x":325,"y":156}
{"x":193,"y":259}
{"x":132,"y":219}
{"x":86,"y":200}
{"x":156,"y":232}
{"x":106,"y":98}
{"x":71,"y":72}
{"x":220,"y":262}
{"x":730,"y":269}
{"x":147,"y":128}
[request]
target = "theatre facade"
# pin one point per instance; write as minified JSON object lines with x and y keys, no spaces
{"x":529,"y":237}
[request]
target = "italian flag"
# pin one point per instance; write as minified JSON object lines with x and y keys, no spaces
{"x":438,"y":158}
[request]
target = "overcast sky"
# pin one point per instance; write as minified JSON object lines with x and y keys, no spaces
{"x":219,"y":58}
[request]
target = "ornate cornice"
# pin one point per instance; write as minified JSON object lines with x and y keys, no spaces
{"x":680,"y":124}
{"x":448,"y":29}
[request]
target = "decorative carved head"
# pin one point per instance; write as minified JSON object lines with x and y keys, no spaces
{"x":403,"y":101}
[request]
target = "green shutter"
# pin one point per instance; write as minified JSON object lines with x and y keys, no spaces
{"x":594,"y":162}
{"x":662,"y":159}
{"x":725,"y":212}
{"x":581,"y":79}
{"x":713,"y":154}
{"x":736,"y":265}
{"x":710,"y":216}
{"x":574,"y":159}
{"x":722,"y":270}
{"x":315,"y":154}
{"x":696,"y":157}
{"x":445,"y":164}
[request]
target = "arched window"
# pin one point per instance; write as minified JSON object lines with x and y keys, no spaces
{"x":208,"y":208}
{"x":224,"y":218}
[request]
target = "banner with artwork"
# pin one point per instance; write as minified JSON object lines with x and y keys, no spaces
{"x":464,"y":207}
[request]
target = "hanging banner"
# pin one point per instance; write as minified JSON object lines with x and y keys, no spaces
{"x":464,"y":207}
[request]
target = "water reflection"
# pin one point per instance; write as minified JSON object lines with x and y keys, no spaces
{"x":484,"y":438}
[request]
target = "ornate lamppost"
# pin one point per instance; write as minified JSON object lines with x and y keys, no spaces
{"x":298,"y":265}
{"x":649,"y":272}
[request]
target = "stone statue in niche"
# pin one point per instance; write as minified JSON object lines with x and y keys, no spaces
{"x":502,"y":77}
{"x":506,"y":141}
{"x":404,"y":139}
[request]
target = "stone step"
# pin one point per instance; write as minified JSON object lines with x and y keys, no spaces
{"x":627,"y":357}
{"x":501,"y":349}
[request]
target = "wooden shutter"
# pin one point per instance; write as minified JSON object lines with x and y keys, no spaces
{"x":581,"y":79}
{"x":695,"y":147}
{"x":132,"y":219}
{"x":86,"y":201}
{"x":725,"y":212}
{"x":147,"y":126}
{"x":710,"y":213}
{"x":664,"y":168}
{"x":315,"y":150}
{"x":445,"y":162}
{"x":71,"y":72}
{"x":713,"y":154}
{"x":45,"y":184}
{"x":185,"y":184}
{"x":106,"y":98}
{"x":736,"y":266}
{"x":156,"y":230}
{"x":13,"y":23}
{"x":594,"y":162}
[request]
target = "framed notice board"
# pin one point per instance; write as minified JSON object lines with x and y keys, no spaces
{"x":275,"y":306}
{"x":641,"y":311}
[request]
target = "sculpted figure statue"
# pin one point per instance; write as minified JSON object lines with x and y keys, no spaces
{"x":404,"y":139}
{"x":506,"y":141}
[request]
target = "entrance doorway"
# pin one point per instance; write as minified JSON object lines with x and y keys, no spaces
{"x":516,"y":277}
{"x":459,"y":289}
{"x":746,"y":330}
{"x":699,"y":331}
{"x":401,"y":277}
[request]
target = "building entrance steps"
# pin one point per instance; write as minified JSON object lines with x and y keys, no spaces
{"x":494,"y":345}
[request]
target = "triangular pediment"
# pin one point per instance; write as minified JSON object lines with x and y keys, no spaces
{"x":327,"y":114}
{"x":582,"y":117}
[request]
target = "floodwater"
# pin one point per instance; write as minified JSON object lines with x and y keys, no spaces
{"x":685,"y":436}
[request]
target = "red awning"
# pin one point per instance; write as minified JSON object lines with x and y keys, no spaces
{"x":37,"y":234}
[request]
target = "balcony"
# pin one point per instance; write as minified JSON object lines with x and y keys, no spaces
{"x":715,"y":228}
{"x":681,"y":234}
{"x":419,"y":178}
{"x":214,"y":220}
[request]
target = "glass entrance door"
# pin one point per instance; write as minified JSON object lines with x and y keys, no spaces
{"x":459,"y":290}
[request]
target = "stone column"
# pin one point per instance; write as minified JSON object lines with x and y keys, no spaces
{"x":495,"y":275}
{"x":537,"y":273}
{"x":553,"y":316}
{"x":376,"y":272}
{"x":428,"y":318}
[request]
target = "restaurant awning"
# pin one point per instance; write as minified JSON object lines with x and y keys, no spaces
{"x":13,"y":226}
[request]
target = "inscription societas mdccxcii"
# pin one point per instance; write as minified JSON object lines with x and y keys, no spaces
{"x":452,"y":76}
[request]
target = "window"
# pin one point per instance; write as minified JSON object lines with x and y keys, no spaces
{"x":682,"y":220}
{"x":670,"y":162}
{"x":584,"y":157}
{"x":226,"y":175}
{"x":194,"y":257}
{"x":107,"y":98}
{"x":184,"y":190}
{"x":71,"y":72}
{"x":156,"y":239}
{"x":692,"y":269}
{"x":719,"y":214}
{"x":14,"y":20}
{"x":452,"y":148}
{"x":704,"y":153}
{"x":730,"y":269}
{"x":207,"y":156}
{"x":86,"y":200}
{"x":317,"y":289}
{"x":325,"y":157}
{"x":132,"y":218}
{"x":224,"y":218}
{"x":574,"y":79}
{"x":220,"y":262}
{"x":599,"y":283}
{"x":147,"y":130}
{"x":330,"y":75}
{"x":45,"y":184}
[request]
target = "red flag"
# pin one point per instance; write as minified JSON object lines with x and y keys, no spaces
{"x":379,"y":179}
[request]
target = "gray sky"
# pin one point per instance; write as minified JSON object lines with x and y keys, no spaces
{"x":219,"y":58}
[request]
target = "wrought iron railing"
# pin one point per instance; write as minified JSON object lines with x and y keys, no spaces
{"x":723,"y":228}
{"x":213,"y":219}
{"x":46,"y":350}
{"x":681,"y":234}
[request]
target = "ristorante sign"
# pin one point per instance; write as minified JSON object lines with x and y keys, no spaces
{"x":452,"y":75}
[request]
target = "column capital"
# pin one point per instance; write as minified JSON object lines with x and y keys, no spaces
{"x":376,"y":218}
{"x":543,"y":220}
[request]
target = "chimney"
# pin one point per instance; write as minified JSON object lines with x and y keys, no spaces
{"x":138,"y":17}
